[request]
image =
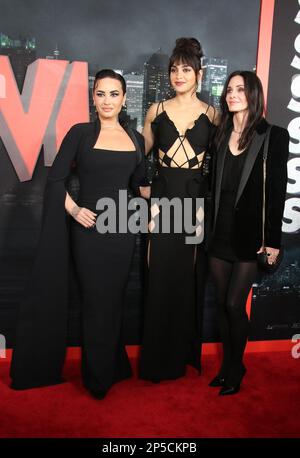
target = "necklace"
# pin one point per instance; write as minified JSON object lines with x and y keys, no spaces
{"x":117,"y":126}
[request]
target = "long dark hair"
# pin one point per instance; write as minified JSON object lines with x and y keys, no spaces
{"x":108,"y":73}
{"x":189,"y":52}
{"x":255,"y":98}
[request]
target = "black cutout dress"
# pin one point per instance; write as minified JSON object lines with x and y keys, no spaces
{"x":176,"y":273}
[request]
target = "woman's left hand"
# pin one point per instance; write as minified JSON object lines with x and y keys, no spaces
{"x":272,"y":254}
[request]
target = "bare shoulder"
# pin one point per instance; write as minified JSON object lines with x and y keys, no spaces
{"x":216,"y":116}
{"x":168,"y":102}
{"x":210,"y":112}
{"x":153,"y":111}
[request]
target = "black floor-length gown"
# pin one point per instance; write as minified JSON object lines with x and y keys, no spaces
{"x":102,"y":262}
{"x":176,"y":273}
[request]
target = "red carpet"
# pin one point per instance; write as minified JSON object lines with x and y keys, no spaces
{"x":268,"y":405}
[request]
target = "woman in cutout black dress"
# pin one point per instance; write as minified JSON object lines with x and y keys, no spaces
{"x":179,"y":130}
{"x":108,"y":158}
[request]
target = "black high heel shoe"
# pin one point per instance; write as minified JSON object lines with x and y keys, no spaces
{"x":217,"y":381}
{"x":227,"y":390}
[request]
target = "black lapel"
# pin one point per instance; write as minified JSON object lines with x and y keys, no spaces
{"x":96,"y":132}
{"x":132,"y":135}
{"x":219,"y":171}
{"x":128,"y":130}
{"x":252,"y":153}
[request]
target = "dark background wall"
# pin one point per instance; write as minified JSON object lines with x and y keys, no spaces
{"x":276,"y":299}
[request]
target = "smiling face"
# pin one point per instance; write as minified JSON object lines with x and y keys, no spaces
{"x":235,"y":95}
{"x":108,"y":98}
{"x":183,"y":77}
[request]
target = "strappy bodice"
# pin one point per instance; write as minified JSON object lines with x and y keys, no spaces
{"x":176,"y":150}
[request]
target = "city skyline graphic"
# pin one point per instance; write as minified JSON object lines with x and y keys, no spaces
{"x":144,"y":88}
{"x":124,"y":35}
{"x":131,"y":38}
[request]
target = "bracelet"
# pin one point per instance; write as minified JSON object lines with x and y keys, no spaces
{"x":75,"y":210}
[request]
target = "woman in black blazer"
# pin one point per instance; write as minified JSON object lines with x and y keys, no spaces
{"x":236,"y":235}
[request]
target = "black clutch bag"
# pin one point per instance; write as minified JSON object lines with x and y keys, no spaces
{"x":262,"y":258}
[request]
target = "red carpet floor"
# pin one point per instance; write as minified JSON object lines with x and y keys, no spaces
{"x":268,"y":405}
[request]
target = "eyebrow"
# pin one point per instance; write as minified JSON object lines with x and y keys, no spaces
{"x":111,"y":92}
{"x":239,"y":85}
{"x":180,"y":65}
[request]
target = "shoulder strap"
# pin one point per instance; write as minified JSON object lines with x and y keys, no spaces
{"x":265,"y":156}
{"x":266,"y":143}
{"x":214,"y":114}
{"x":161,"y":103}
{"x":208,"y":107}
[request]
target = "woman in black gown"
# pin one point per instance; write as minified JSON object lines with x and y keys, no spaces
{"x":179,"y":130}
{"x":108,"y":158}
{"x":237,"y":223}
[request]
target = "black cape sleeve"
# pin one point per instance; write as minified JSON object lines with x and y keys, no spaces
{"x":41,"y":336}
{"x":139,"y":176}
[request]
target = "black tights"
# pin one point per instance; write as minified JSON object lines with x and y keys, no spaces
{"x":233,"y":281}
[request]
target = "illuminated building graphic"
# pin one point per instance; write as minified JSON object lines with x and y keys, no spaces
{"x":21,"y":53}
{"x":55,"y":55}
{"x":214,"y":77}
{"x":156,"y":80}
{"x":134,"y":100}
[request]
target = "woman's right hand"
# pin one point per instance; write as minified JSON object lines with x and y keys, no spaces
{"x":84,"y":216}
{"x":145,"y":192}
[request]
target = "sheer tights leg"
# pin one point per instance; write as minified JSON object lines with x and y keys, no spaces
{"x":233,"y":281}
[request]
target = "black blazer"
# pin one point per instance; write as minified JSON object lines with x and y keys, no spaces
{"x":247,"y":224}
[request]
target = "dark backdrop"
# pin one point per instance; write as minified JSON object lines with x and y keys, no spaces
{"x":124,"y":35}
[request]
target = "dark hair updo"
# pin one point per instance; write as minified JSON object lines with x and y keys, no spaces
{"x":108,"y":73}
{"x":187,"y":51}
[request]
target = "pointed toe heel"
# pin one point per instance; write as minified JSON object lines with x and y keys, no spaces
{"x":217,"y":382}
{"x":228,"y":390}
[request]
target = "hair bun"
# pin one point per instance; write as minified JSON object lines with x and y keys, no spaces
{"x":189,"y":45}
